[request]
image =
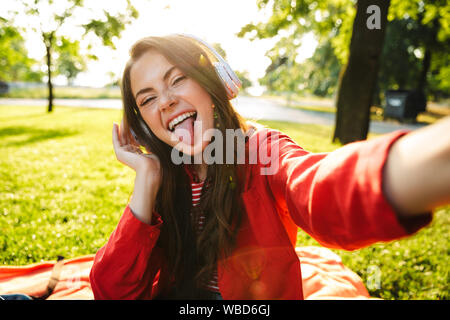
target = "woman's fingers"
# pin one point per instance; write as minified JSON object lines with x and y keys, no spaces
{"x":128,"y":136}
{"x":123,"y":134}
{"x":129,"y":154}
{"x":115,"y":136}
{"x":133,"y":140}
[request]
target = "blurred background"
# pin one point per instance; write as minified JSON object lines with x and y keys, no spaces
{"x":326,"y":72}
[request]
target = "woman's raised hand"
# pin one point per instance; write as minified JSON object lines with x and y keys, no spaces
{"x":147,"y":167}
{"x":129,"y":153}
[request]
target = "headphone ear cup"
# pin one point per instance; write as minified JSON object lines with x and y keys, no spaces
{"x":229,"y":84}
{"x":229,"y":79}
{"x":233,"y":76}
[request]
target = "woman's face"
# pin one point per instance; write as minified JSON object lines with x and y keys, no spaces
{"x":176,"y":108}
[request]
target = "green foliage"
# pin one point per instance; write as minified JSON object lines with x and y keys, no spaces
{"x":282,"y":74}
{"x":329,"y":22}
{"x":109,"y":27}
{"x":399,"y":68}
{"x":439,"y":76}
{"x":70,"y":62}
{"x":316,"y":75}
{"x":323,"y":18}
{"x":219,"y":50}
{"x":245,"y":80}
{"x":15,"y":65}
{"x":321,"y":71}
{"x":424,"y":11}
{"x":426,"y":27}
{"x":69,"y":59}
{"x":413,"y":27}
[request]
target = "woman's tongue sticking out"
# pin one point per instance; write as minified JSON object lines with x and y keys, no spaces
{"x":185,"y":131}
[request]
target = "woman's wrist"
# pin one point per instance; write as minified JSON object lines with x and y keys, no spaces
{"x":144,"y":195}
{"x":417,"y":172}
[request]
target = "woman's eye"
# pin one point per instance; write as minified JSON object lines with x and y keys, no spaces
{"x":179,"y":79}
{"x":144,"y":102}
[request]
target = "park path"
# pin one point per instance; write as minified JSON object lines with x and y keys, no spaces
{"x":249,"y":107}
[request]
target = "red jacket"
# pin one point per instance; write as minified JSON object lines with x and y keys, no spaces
{"x":335,"y":197}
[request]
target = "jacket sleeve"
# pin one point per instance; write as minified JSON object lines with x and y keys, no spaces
{"x":126,"y":266}
{"x":337,"y":197}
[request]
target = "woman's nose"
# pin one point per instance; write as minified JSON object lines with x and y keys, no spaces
{"x":167,"y":100}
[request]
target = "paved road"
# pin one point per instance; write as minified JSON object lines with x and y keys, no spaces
{"x":248,"y":107}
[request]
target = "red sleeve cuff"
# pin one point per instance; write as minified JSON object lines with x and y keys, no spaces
{"x":409,"y":225}
{"x":134,"y":229}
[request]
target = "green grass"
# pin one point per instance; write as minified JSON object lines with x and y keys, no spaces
{"x":63,"y":191}
{"x":64,"y":93}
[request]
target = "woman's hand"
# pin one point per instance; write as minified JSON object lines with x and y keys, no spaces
{"x":148,"y":171}
{"x":128,"y":152}
{"x":417,"y":171}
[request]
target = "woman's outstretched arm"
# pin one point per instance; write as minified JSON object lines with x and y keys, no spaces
{"x":351,"y":198}
{"x":417,"y":171}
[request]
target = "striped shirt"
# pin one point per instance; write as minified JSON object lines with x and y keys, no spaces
{"x":212,"y":284}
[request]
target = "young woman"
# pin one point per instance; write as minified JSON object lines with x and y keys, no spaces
{"x":198,"y":229}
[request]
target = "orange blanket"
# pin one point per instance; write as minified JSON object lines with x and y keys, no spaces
{"x":324,"y":277}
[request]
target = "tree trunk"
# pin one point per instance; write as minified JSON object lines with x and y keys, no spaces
{"x":358,"y":78}
{"x":48,"y":39}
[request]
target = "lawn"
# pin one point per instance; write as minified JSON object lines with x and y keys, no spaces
{"x":63,"y":191}
{"x":64,"y":92}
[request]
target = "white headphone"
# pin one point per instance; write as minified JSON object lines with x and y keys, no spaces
{"x":229,"y":79}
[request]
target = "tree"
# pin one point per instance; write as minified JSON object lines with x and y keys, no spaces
{"x":244,"y":78}
{"x":335,"y":21}
{"x":15,"y":65}
{"x":321,"y":71}
{"x":316,"y":75}
{"x":282,"y":75}
{"x":400,"y":65}
{"x":358,"y":78}
{"x":70,"y":62}
{"x":331,"y":21}
{"x":51,"y":20}
{"x":432,"y":34}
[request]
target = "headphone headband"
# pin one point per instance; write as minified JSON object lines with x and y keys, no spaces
{"x":229,"y":79}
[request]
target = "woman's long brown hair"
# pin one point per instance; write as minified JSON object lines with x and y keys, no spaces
{"x":191,"y":258}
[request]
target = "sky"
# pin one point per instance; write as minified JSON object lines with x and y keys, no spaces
{"x":211,"y":20}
